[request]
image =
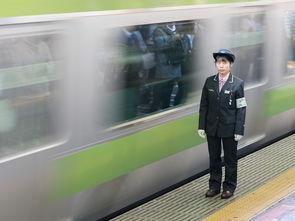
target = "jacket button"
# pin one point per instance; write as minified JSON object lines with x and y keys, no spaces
{"x":217,"y":118}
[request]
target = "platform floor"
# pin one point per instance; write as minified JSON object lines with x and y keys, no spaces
{"x":265,"y":179}
{"x":284,"y":210}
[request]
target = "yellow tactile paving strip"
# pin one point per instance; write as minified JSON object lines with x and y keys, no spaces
{"x":187,"y":203}
{"x":262,"y":198}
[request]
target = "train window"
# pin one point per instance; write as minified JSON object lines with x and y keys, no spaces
{"x":290,"y":39}
{"x":28,"y":92}
{"x":247,"y":40}
{"x":153,"y":69}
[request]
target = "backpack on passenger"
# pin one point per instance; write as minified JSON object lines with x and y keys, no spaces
{"x":177,"y":55}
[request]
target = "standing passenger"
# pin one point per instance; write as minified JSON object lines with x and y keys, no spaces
{"x":222,"y":118}
{"x":168,"y":65}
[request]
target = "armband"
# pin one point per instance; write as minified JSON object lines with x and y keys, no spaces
{"x":241,"y":102}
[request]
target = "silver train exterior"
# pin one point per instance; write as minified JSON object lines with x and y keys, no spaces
{"x":79,"y":140}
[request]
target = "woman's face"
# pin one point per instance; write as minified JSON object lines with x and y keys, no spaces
{"x":223,"y":65}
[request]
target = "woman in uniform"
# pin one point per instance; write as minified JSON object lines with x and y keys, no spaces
{"x":221,"y":120}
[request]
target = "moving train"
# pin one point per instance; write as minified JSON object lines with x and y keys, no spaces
{"x":84,"y":131}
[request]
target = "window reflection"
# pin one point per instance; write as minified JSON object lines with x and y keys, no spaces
{"x":290,"y":39}
{"x":27,"y":92}
{"x":247,"y":40}
{"x":153,"y":69}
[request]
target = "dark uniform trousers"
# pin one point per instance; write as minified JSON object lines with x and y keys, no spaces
{"x":230,"y":162}
{"x":221,"y":119}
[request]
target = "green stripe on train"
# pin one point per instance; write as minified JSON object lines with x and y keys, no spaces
{"x":94,"y":166}
{"x":279,"y":100}
{"x":32,"y":7}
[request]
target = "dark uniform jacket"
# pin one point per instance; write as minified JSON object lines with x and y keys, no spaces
{"x":219,"y":113}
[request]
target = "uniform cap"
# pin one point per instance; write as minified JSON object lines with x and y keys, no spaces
{"x":225,"y":52}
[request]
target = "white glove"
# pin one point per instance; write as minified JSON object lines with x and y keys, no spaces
{"x":238,"y":137}
{"x":202,"y":133}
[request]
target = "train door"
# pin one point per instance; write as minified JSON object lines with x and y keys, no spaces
{"x":30,"y":120}
{"x":245,"y":35}
{"x":280,"y":91}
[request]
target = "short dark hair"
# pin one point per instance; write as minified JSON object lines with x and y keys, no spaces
{"x":228,"y":58}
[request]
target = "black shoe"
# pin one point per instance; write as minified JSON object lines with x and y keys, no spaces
{"x":226,"y":194}
{"x":211,"y":193}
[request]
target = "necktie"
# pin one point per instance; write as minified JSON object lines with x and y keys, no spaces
{"x":221,"y":83}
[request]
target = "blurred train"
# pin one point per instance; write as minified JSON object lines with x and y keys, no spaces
{"x":83,"y":129}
